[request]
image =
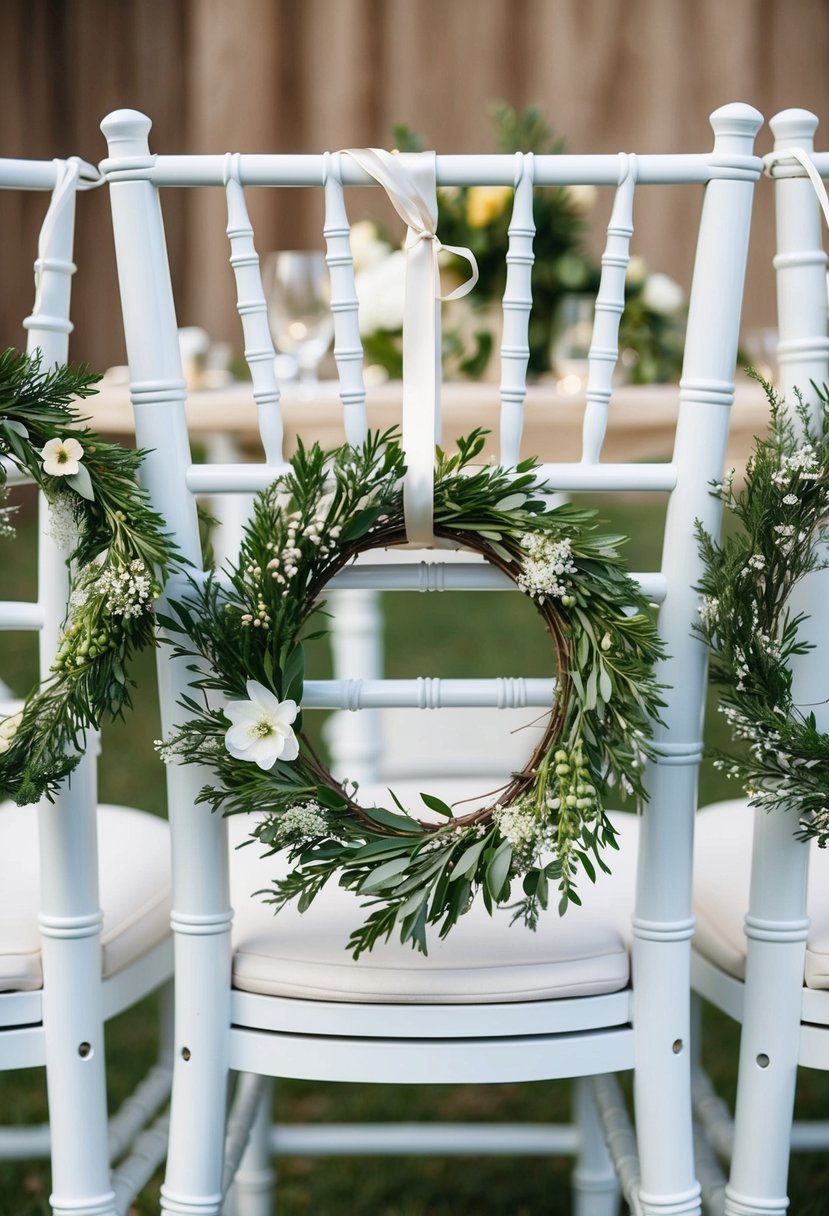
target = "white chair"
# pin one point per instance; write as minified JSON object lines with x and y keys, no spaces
{"x":65,"y":965}
{"x":761,"y":944}
{"x":281,"y":997}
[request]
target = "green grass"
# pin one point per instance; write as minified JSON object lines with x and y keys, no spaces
{"x":448,"y":635}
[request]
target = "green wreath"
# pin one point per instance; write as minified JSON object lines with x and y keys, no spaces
{"x":781,"y":534}
{"x":118,"y":555}
{"x":247,"y":631}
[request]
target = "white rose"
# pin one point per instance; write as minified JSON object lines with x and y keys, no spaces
{"x":366,"y":246}
{"x":661,"y":294}
{"x":380,"y":291}
{"x":581,"y":198}
{"x":637,"y":271}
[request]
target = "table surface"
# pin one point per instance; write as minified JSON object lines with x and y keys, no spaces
{"x":640,"y":426}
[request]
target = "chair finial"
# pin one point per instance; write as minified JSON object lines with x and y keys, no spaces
{"x":735,"y":127}
{"x":127,"y":132}
{"x":794,"y":127}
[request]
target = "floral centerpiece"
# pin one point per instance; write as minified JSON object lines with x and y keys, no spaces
{"x":477,"y":218}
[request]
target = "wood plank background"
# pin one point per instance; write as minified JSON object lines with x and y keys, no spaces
{"x":290,"y":75}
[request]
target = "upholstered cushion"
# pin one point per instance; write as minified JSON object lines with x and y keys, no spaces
{"x":721,"y":887}
{"x":483,"y":959}
{"x":135,"y":893}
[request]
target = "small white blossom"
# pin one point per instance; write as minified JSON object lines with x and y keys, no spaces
{"x":302,"y":822}
{"x":128,"y":589}
{"x":61,"y":457}
{"x":63,"y":521}
{"x":546,"y":564}
{"x":260,"y":729}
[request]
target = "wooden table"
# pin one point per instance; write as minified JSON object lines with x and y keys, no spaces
{"x":641,"y":422}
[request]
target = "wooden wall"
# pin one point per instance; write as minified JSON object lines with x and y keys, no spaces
{"x":272,"y":75}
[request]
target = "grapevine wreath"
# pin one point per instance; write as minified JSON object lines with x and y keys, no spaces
{"x":780,"y":536}
{"x":243,"y":632}
{"x":118,"y":555}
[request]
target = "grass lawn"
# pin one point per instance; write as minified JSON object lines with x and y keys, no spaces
{"x":441,"y":635}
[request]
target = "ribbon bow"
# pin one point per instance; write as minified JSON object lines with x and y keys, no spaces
{"x":412,"y":191}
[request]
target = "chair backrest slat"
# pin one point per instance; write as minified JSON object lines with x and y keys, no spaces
{"x":348,"y":349}
{"x":253,"y":311}
{"x":517,"y":306}
{"x":610,"y":304}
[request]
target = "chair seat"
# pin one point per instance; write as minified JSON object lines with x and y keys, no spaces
{"x":484,"y":959}
{"x":722,"y":868}
{"x":135,"y":891}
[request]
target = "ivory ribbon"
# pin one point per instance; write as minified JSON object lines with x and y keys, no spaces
{"x":803,"y":158}
{"x":412,"y":190}
{"x":63,"y":193}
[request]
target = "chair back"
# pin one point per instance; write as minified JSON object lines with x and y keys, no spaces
{"x":663,"y":923}
{"x":158,"y":390}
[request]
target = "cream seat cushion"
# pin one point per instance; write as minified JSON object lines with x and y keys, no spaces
{"x":135,"y":890}
{"x":722,"y":874}
{"x":484,"y":959}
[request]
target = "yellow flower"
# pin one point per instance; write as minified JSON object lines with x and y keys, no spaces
{"x":485,"y":203}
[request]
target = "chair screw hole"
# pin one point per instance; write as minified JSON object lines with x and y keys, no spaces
{"x":762,"y":1060}
{"x":676,"y":1046}
{"x":185,"y":1053}
{"x":84,"y":1050}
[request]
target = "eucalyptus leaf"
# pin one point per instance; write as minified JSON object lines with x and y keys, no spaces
{"x":81,"y":483}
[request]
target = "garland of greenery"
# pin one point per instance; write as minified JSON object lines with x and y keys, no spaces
{"x":247,"y":631}
{"x":118,"y":555}
{"x":745,"y":617}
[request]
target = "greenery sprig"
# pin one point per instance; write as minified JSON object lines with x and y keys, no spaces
{"x":118,"y":554}
{"x":246,"y":634}
{"x":747,"y":619}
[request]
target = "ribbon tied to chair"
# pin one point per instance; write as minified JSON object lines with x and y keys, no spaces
{"x":412,"y":189}
{"x":805,"y":161}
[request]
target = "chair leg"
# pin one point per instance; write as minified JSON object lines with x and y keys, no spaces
{"x":252,"y":1193}
{"x":767,"y":1080}
{"x":595,"y":1185}
{"x":193,"y":1185}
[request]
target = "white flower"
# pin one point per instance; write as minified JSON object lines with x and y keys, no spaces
{"x":661,"y":294}
{"x":637,"y":271}
{"x":380,"y":290}
{"x":61,"y":457}
{"x":546,"y":561}
{"x":261,"y":727}
{"x":581,"y":198}
{"x":302,"y":822}
{"x":63,"y":523}
{"x":8,"y":729}
{"x":367,"y":248}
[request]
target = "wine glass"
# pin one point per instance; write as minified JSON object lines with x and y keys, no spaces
{"x":298,"y":294}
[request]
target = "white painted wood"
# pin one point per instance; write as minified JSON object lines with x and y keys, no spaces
{"x":610,"y":304}
{"x":783,"y":1024}
{"x":61,"y":1026}
{"x":517,"y":305}
{"x":217,"y":1030}
{"x":253,"y":311}
{"x":348,"y":349}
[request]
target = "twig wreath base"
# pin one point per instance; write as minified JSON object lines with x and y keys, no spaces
{"x":118,"y":555}
{"x":747,"y":621}
{"x":244,"y":636}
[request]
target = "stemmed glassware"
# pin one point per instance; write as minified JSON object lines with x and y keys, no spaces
{"x":298,"y":293}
